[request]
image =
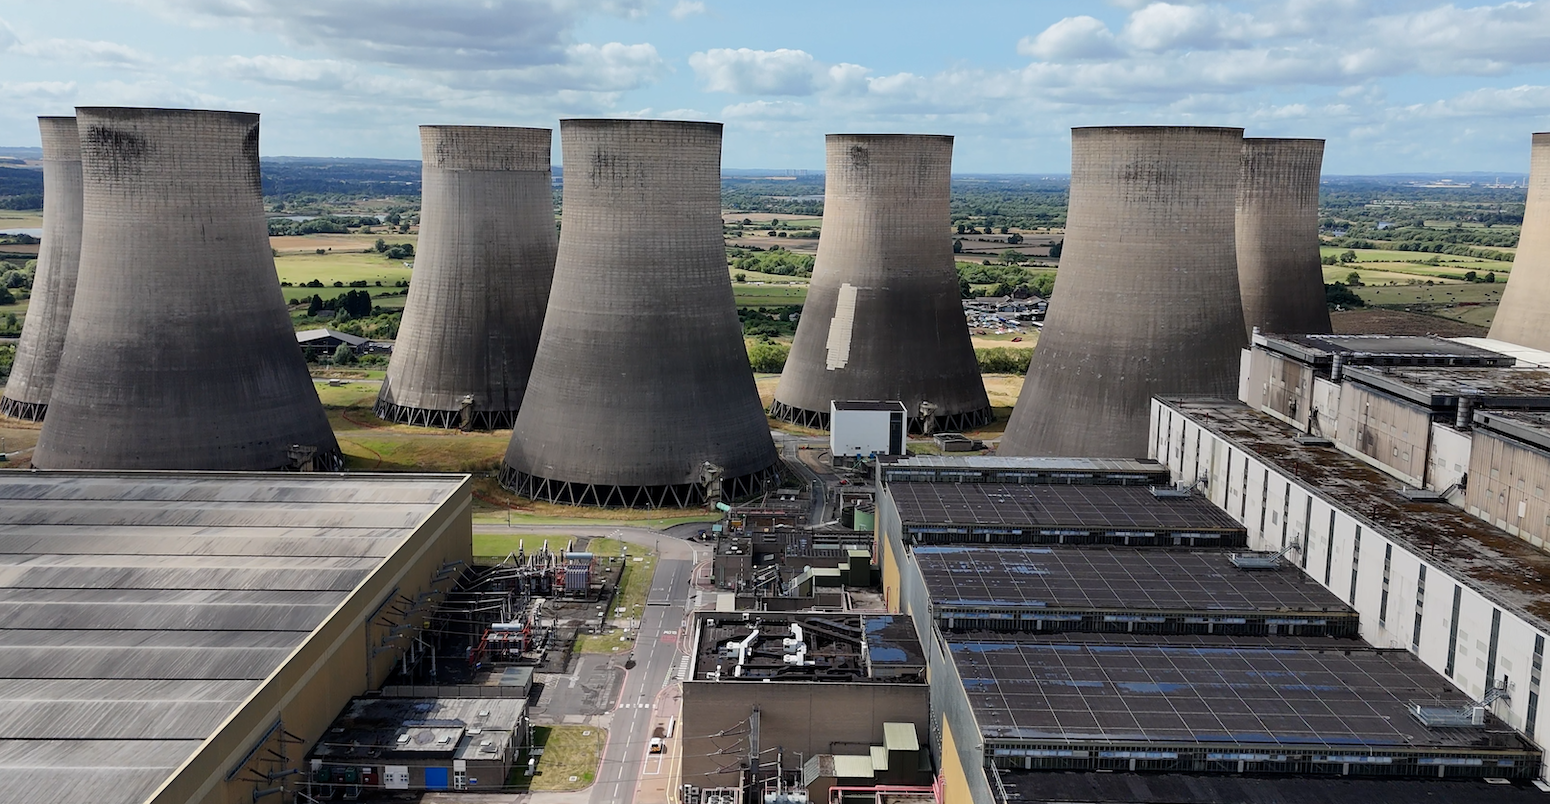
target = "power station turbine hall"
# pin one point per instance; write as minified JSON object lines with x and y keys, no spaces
{"x":641,"y":393}
{"x":481,"y":279}
{"x":1147,"y":301}
{"x":882,"y":318}
{"x":180,"y":353}
{"x":53,"y":287}
{"x":1279,"y":273}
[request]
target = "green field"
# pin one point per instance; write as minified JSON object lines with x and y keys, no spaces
{"x":493,"y":547}
{"x":21,"y":219}
{"x":339,"y":266}
{"x":19,"y":308}
{"x":1404,"y":261}
{"x":759,"y":276}
{"x":768,"y":295}
{"x":1449,"y":293}
{"x":1382,"y":274}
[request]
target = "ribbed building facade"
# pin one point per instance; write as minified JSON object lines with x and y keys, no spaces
{"x":180,"y":353}
{"x":1279,"y":272}
{"x":1146,"y":301}
{"x":1524,"y":314}
{"x":640,"y":394}
{"x":481,"y":279}
{"x":53,"y":286}
{"x":883,"y":318}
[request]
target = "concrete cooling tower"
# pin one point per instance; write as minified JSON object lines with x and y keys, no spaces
{"x":53,"y":287}
{"x":180,"y":353}
{"x":640,"y":394}
{"x":1146,"y":301}
{"x":1524,"y":315}
{"x":882,"y":318}
{"x":481,"y":279}
{"x":1279,"y":273}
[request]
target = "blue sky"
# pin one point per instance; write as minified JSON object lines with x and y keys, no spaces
{"x":1413,"y":86}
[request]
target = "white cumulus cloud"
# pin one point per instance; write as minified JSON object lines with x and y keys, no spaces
{"x":450,"y":34}
{"x":758,"y":72}
{"x":1073,"y":38}
{"x":687,"y":8}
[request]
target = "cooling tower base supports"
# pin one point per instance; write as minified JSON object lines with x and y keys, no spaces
{"x":682,"y":495}
{"x":819,"y":420}
{"x":444,"y":419}
{"x":26,"y":411}
{"x":332,"y":461}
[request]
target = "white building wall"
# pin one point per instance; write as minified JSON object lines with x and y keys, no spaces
{"x":1237,"y":481}
{"x":858,"y":432}
{"x":1447,"y":459}
{"x":1326,"y":400}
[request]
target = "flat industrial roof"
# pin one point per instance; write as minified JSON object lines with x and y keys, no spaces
{"x":998,"y":469}
{"x":1095,"y":693}
{"x":1531,"y":428}
{"x":1128,"y":508}
{"x":868,"y":404}
{"x":1525,"y":355}
{"x":1113,"y":579}
{"x":1379,"y":349}
{"x":371,"y":728}
{"x":1017,"y":462}
{"x":1505,"y":569}
{"x":1442,"y":386}
{"x":840,"y":647}
{"x":1068,"y":787}
{"x":139,"y":610}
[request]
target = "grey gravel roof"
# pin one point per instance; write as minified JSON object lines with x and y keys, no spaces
{"x":139,"y":610}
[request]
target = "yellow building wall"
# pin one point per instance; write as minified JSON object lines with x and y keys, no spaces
{"x":890,"y":565}
{"x":955,"y":784}
{"x":330,"y":668}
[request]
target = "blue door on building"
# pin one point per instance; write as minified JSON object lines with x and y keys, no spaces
{"x":436,"y":778}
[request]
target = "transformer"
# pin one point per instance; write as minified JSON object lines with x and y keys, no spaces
{"x":481,"y":279}
{"x":883,"y":319}
{"x":641,"y":394}
{"x":180,"y":353}
{"x":1279,"y":273}
{"x":53,"y":286}
{"x":1146,"y":300}
{"x":1523,"y":317}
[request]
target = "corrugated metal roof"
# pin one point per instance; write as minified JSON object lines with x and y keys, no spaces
{"x":138,"y":610}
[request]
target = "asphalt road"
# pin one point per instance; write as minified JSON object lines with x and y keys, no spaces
{"x":656,"y":650}
{"x":656,"y":654}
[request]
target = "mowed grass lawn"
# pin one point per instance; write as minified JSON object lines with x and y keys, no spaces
{"x":370,"y":444}
{"x":569,"y":761}
{"x":494,"y":547}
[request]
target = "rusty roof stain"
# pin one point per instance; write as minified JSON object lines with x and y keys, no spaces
{"x":1508,"y":571}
